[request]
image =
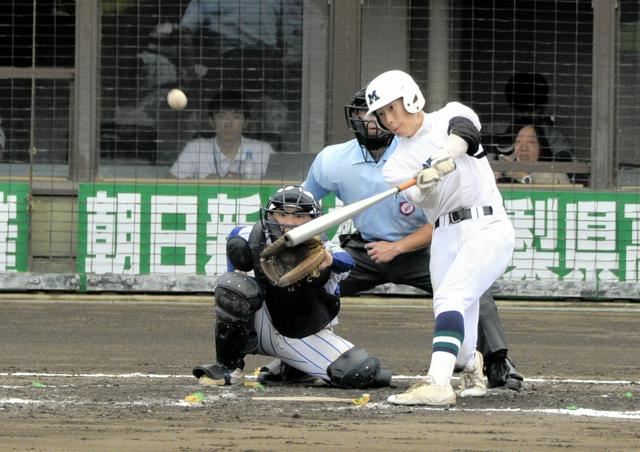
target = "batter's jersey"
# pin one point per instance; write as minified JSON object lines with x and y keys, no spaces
{"x":342,"y":261}
{"x":350,"y":172}
{"x":202,"y":157}
{"x":471,"y":184}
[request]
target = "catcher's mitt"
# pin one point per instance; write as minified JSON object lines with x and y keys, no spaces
{"x":285,"y":266}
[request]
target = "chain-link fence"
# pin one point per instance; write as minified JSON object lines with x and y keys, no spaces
{"x":106,"y":187}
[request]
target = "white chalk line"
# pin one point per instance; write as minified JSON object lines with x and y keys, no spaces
{"x":585,"y":412}
{"x":159,"y":403}
{"x":68,"y":402}
{"x":94,"y":375}
{"x":252,"y":377}
{"x":165,"y":402}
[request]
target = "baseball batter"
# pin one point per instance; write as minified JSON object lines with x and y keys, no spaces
{"x":473,"y":238}
{"x":290,"y":323}
{"x":391,"y":244}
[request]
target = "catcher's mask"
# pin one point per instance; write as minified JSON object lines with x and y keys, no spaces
{"x":370,"y":140}
{"x":292,"y":199}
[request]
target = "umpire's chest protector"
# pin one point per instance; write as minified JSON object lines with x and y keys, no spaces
{"x":299,"y":310}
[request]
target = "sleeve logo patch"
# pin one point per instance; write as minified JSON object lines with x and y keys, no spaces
{"x":406,"y":208}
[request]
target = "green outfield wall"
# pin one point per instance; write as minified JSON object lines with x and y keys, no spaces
{"x":171,"y":237}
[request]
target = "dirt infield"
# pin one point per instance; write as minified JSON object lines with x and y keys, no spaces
{"x":88,"y":375}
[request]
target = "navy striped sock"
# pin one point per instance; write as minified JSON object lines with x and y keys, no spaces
{"x":448,"y":333}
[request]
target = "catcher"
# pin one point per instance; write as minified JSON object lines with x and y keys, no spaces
{"x":290,"y":313}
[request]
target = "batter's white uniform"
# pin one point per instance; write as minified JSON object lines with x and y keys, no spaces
{"x":311,"y":354}
{"x":468,"y":256}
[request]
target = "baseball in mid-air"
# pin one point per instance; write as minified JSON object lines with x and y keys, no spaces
{"x":177,"y":99}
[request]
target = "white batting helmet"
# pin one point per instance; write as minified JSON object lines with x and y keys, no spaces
{"x":392,"y":85}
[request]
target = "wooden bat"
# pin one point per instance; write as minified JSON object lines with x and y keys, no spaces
{"x":323,"y":223}
{"x":362,"y":400}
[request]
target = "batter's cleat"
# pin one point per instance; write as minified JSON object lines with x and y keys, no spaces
{"x":279,"y":372}
{"x":218,"y":375}
{"x":472,"y":382}
{"x":425,"y":392}
{"x":502,"y":373}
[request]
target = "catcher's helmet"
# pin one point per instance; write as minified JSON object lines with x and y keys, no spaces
{"x":392,"y":85}
{"x":292,"y":199}
{"x":354,"y":113}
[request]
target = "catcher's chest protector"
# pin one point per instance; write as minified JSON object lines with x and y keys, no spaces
{"x":299,"y":310}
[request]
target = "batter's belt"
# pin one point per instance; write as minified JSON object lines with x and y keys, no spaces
{"x":464,"y":213}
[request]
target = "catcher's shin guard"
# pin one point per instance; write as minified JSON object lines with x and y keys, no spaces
{"x":233,"y":343}
{"x":238,"y":297}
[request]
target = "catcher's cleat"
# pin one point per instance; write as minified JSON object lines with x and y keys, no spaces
{"x":219,"y":374}
{"x":472,"y":382}
{"x":501,"y":372}
{"x":279,"y":372}
{"x":425,"y":393}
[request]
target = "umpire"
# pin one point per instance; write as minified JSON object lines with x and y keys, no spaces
{"x":392,"y":237}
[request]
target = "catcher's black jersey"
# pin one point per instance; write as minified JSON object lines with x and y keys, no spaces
{"x":301,"y":309}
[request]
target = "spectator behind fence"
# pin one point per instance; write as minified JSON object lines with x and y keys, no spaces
{"x":528,"y":95}
{"x":530,"y":146}
{"x":254,"y":46}
{"x":241,"y":44}
{"x":228,"y":153}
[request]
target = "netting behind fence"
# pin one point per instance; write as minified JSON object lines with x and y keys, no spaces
{"x":84,"y":116}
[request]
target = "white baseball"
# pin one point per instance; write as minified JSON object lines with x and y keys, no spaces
{"x":177,"y":99}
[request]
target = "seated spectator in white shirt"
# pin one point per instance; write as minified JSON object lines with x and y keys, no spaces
{"x":229,"y":154}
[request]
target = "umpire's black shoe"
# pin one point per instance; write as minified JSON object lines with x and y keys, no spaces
{"x":501,"y":372}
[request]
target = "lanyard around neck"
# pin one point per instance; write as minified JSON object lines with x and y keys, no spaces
{"x":216,"y":149}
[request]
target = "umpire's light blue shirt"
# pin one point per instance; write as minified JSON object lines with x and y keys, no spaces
{"x":342,"y":169}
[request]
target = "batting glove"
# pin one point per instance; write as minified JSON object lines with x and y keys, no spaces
{"x":427,"y":179}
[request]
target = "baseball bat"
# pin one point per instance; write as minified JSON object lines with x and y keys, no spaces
{"x":358,"y":401}
{"x":303,"y":399}
{"x":323,"y":223}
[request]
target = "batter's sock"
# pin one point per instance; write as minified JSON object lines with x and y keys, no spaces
{"x":448,"y":335}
